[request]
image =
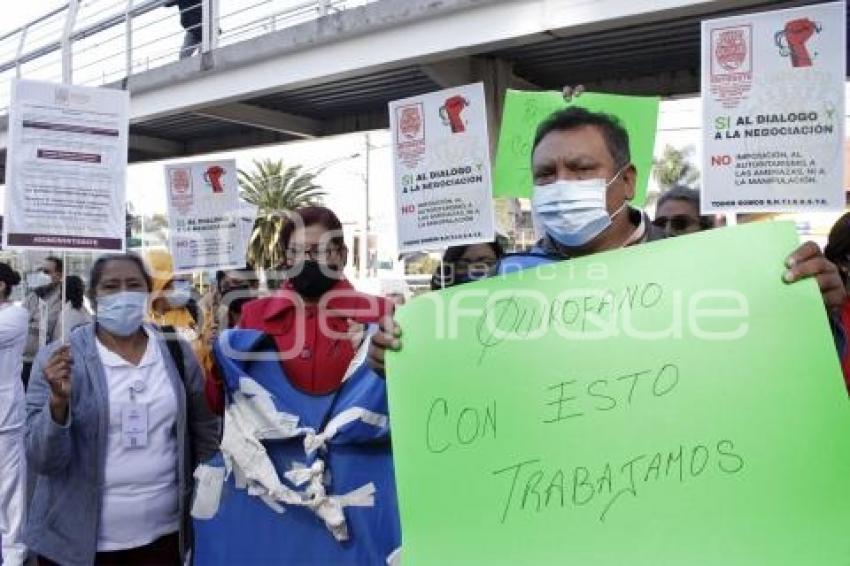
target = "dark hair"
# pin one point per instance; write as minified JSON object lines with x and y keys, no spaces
{"x":612,"y":130}
{"x":74,"y":291}
{"x":838,"y":244}
{"x":56,"y":261}
{"x":100,"y":265}
{"x":454,"y":253}
{"x":680,"y":192}
{"x":310,"y":216}
{"x":689,"y":195}
{"x":248,"y":269}
{"x":10,"y":277}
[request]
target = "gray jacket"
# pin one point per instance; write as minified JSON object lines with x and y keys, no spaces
{"x":70,"y":461}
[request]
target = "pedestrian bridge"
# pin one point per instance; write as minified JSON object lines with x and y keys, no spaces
{"x":271,"y":71}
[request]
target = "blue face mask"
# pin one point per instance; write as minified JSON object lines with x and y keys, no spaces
{"x":122,"y":313}
{"x":180,"y":294}
{"x":573,"y":212}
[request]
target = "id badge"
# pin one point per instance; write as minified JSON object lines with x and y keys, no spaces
{"x":134,"y":425}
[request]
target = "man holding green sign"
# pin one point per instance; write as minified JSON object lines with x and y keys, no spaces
{"x":622,"y":408}
{"x":584,"y":179}
{"x":609,"y":410}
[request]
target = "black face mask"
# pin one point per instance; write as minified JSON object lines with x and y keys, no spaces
{"x":311,"y":282}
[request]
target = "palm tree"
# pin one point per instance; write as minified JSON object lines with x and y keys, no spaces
{"x":275,"y":190}
{"x":675,"y":168}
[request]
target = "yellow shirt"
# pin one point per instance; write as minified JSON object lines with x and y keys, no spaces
{"x":186,"y":328}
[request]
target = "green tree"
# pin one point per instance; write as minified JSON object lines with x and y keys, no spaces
{"x":421,"y":264}
{"x":275,"y":190}
{"x":675,"y":168}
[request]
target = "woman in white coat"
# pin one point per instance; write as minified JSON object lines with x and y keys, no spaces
{"x":13,"y":335}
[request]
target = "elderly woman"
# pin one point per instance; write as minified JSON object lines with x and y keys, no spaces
{"x":116,"y":422}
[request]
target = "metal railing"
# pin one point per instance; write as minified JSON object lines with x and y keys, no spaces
{"x":95,"y":42}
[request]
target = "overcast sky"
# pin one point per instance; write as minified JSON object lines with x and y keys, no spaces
{"x":16,"y":12}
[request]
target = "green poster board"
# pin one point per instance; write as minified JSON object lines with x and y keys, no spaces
{"x":671,"y":403}
{"x":524,"y":111}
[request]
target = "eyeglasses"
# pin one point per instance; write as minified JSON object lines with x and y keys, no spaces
{"x":678,"y":222}
{"x":476,"y":264}
{"x":315,"y":253}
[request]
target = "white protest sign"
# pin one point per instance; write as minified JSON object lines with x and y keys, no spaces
{"x":441,"y":169}
{"x":773,"y":110}
{"x":204,"y":215}
{"x":66,"y":165}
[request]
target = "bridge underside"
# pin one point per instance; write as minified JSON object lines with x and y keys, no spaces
{"x":649,"y":53}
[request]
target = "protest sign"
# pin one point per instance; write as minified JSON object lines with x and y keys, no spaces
{"x":524,"y":111}
{"x":441,"y":169}
{"x":773,"y":110}
{"x":205,"y":216}
{"x":66,"y":164}
{"x":617,"y":409}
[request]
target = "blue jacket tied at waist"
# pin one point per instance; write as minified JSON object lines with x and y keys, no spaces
{"x":300,"y":478}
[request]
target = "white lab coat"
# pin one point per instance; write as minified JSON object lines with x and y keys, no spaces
{"x":14,"y":321}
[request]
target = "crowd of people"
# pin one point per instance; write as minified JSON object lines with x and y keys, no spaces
{"x":120,"y":426}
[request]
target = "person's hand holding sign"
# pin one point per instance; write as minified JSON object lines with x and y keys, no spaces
{"x":388,"y":337}
{"x":58,"y":375}
{"x":808,"y":261}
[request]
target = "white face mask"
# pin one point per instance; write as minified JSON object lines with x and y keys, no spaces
{"x":180,"y":294}
{"x":122,"y":313}
{"x":573,"y":212}
{"x":38,"y":279}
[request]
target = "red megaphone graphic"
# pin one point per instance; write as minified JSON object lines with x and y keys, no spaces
{"x":213,"y":176}
{"x":450,"y":113}
{"x":795,"y":36}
